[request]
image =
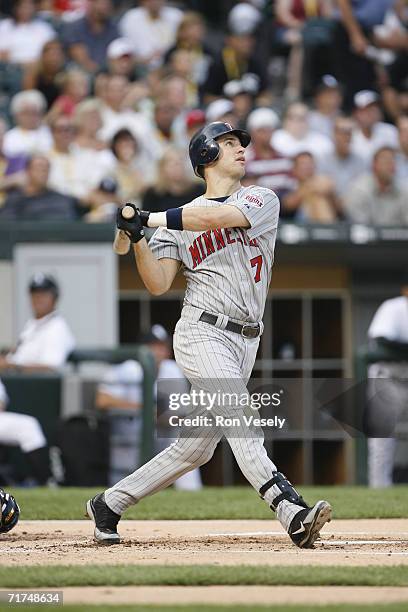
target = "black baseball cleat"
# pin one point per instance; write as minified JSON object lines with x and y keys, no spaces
{"x":306,"y":524}
{"x":106,"y":521}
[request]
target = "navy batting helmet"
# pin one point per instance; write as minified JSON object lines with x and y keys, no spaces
{"x":9,"y":512}
{"x":204,"y":148}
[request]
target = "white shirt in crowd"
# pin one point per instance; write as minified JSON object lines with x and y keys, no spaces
{"x":24,"y":41}
{"x":137,"y":123}
{"x":148,"y":35}
{"x":27,"y":142}
{"x":287,"y":145}
{"x":383,"y":134}
{"x":78,"y":172}
{"x":47,"y":341}
{"x":391,"y":320}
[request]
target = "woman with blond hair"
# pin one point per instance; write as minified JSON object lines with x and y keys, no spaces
{"x":190,"y":41}
{"x":175,"y":184}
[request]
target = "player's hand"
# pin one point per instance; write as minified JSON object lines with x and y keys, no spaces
{"x":133,"y":228}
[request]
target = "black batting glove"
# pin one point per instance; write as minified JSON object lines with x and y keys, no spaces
{"x":144,"y":215}
{"x":133,"y":228}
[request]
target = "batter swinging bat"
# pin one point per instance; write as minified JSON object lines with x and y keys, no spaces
{"x":121,"y":244}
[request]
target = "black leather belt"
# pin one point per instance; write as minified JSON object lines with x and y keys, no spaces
{"x":247,"y":331}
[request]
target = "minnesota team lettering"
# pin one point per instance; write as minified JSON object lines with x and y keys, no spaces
{"x":215,"y":240}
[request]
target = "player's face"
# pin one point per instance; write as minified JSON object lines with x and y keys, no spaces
{"x":232,"y":156}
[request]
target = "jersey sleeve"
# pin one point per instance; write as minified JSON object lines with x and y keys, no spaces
{"x":261,"y":207}
{"x":3,"y":395}
{"x":163,"y":244}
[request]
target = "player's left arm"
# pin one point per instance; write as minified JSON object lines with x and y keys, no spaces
{"x":202,"y":218}
{"x":258,"y":208}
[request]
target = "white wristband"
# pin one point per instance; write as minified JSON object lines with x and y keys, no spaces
{"x":157,"y":219}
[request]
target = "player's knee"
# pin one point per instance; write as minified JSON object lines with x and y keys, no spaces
{"x":194,"y":457}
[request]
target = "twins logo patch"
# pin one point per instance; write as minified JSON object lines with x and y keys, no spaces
{"x":254,"y":200}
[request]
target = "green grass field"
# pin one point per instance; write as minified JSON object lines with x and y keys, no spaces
{"x":29,"y":577}
{"x":215,"y":503}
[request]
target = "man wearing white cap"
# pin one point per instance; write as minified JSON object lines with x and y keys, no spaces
{"x":372,"y":133}
{"x":265,"y":166}
{"x":220,"y":110}
{"x":120,"y":58}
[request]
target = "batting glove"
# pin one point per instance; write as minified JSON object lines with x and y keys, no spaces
{"x":133,"y":228}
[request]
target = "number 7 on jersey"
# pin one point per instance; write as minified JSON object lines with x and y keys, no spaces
{"x":256,"y":262}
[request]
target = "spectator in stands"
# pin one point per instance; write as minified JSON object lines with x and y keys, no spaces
{"x":152,"y":29}
{"x":30,"y":135}
{"x":353,"y":44}
{"x":163,"y":120}
{"x":221,"y":110}
{"x":376,"y":198}
{"x":121,"y":58}
{"x":342,"y":165}
{"x":75,"y":88}
{"x":64,"y":168}
{"x":44,"y":75}
{"x":314,"y":198}
{"x":23,"y":36}
{"x":371,"y":132}
{"x":34,"y":201}
{"x":327,"y":104}
{"x":120,"y":393}
{"x":12,"y":169}
{"x":263,"y":165}
{"x":292,"y":16}
{"x":46,"y":340}
{"x":387,"y":387}
{"x":88,"y":37}
{"x":295,"y":135}
{"x":174,"y":186}
{"x":234,"y":61}
{"x":103,"y":202}
{"x":190,"y":39}
{"x":94,"y":159}
{"x":115,"y":116}
{"x":402,"y":155}
{"x":130,"y":172}
{"x":25,"y":431}
{"x":242,"y":93}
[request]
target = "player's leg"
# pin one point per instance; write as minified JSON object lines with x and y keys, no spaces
{"x":191,"y":450}
{"x":302,"y":522}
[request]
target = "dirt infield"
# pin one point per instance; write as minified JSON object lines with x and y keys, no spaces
{"x":343,"y":542}
{"x":346,"y":542}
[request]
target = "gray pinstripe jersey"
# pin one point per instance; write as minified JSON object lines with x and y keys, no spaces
{"x":228,"y":271}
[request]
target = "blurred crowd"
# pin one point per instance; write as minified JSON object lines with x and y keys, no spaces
{"x":99,"y":99}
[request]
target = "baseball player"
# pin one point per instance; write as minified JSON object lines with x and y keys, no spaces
{"x":224,"y":242}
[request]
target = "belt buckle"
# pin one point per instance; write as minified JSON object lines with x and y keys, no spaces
{"x":249,"y":328}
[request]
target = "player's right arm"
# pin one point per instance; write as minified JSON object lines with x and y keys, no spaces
{"x":157,"y":274}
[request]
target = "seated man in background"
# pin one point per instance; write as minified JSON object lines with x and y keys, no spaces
{"x":313,"y":199}
{"x":121,"y":394}
{"x":46,"y":340}
{"x":25,"y":431}
{"x":376,"y":198}
{"x":342,"y":165}
{"x":387,"y":388}
{"x":30,"y":134}
{"x":34,"y":201}
{"x":264,"y":166}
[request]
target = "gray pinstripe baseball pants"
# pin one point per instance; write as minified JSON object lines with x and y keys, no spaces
{"x":211,"y":356}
